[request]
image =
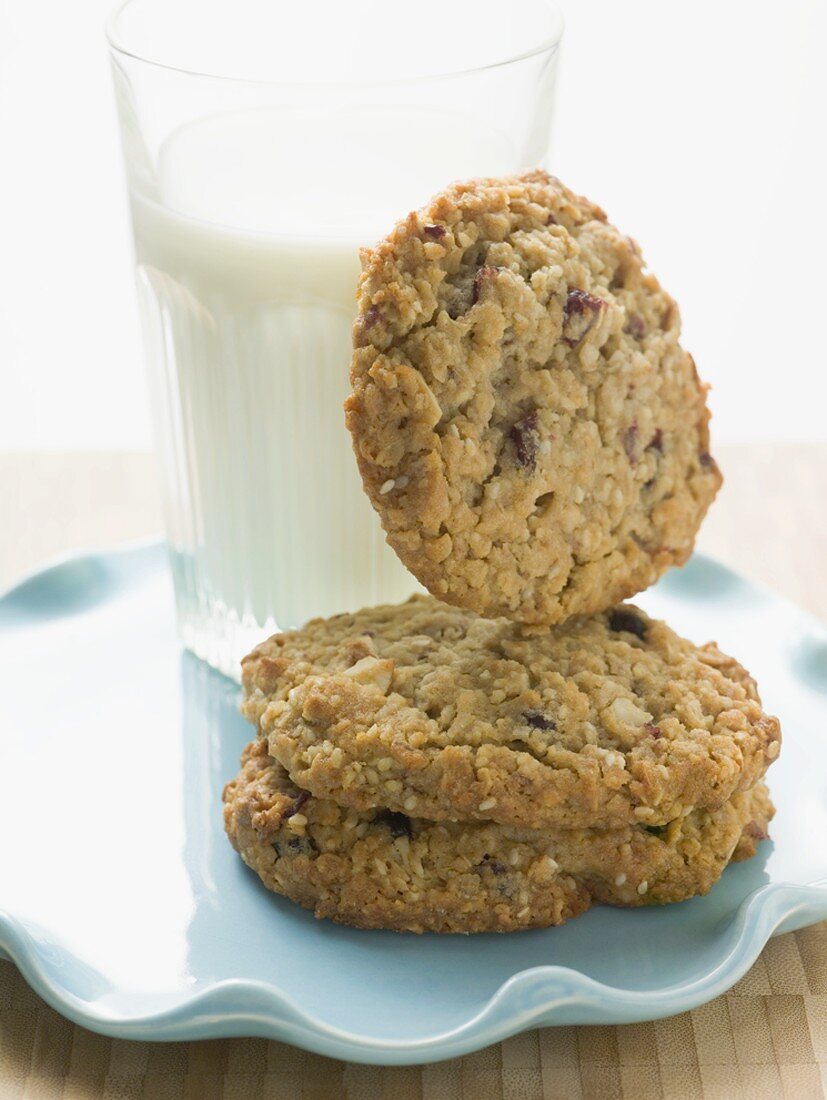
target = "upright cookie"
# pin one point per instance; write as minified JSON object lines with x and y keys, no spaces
{"x":434,"y":712}
{"x":527,"y":425}
{"x":377,"y":869}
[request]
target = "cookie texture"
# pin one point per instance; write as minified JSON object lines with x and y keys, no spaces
{"x":377,"y":869}
{"x":432,"y":711}
{"x":526,"y":423}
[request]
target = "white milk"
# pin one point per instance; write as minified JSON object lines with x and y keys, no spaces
{"x":247,"y":249}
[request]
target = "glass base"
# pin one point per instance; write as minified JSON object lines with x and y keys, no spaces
{"x":222,"y":639}
{"x":208,"y":594}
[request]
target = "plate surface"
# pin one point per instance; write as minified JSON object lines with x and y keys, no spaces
{"x":125,"y":908}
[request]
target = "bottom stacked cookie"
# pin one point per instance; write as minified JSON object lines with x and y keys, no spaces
{"x":380,"y":869}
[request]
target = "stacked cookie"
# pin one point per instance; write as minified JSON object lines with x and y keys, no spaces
{"x":422,"y":768}
{"x":535,"y":441}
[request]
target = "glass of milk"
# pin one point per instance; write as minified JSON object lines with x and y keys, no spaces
{"x":265,"y":142}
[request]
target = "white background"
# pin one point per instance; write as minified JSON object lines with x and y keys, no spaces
{"x":699,"y":127}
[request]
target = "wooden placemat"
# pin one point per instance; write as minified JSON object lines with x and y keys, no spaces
{"x":766,"y":1038}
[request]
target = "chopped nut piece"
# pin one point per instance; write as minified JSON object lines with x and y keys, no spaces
{"x":626,"y":712}
{"x":372,"y":670}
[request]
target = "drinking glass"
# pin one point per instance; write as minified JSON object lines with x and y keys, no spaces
{"x":264,"y":144}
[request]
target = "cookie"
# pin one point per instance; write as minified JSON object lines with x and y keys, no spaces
{"x":526,"y":423}
{"x":377,"y":869}
{"x":432,"y":711}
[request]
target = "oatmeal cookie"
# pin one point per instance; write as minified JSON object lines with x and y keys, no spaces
{"x":379,"y":869}
{"x":526,"y":423}
{"x":432,"y":711}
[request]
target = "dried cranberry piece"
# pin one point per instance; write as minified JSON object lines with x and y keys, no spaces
{"x":630,"y":442}
{"x":434,"y":232}
{"x":525,"y":435}
{"x":370,"y":316}
{"x":579,"y":314}
{"x":396,"y":823}
{"x":656,"y":442}
{"x":481,"y":277}
{"x":551,"y":220}
{"x":653,"y":730}
{"x":753,"y":829}
{"x":636,"y":326}
{"x":298,"y":802}
{"x":296,"y":845}
{"x":580,"y":301}
{"x":706,"y":460}
{"x":492,"y":865}
{"x":538,"y":721}
{"x":622,"y":619}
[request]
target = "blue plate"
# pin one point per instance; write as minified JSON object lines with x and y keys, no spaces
{"x":125,"y":908}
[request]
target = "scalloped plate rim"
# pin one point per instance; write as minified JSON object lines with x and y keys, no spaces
{"x":244,"y":1007}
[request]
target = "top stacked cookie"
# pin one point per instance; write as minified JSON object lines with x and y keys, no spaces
{"x":527,"y":425}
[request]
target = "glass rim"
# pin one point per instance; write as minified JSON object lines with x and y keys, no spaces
{"x":548,"y":44}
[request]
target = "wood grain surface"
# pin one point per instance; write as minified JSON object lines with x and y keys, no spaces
{"x":766,"y":1038}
